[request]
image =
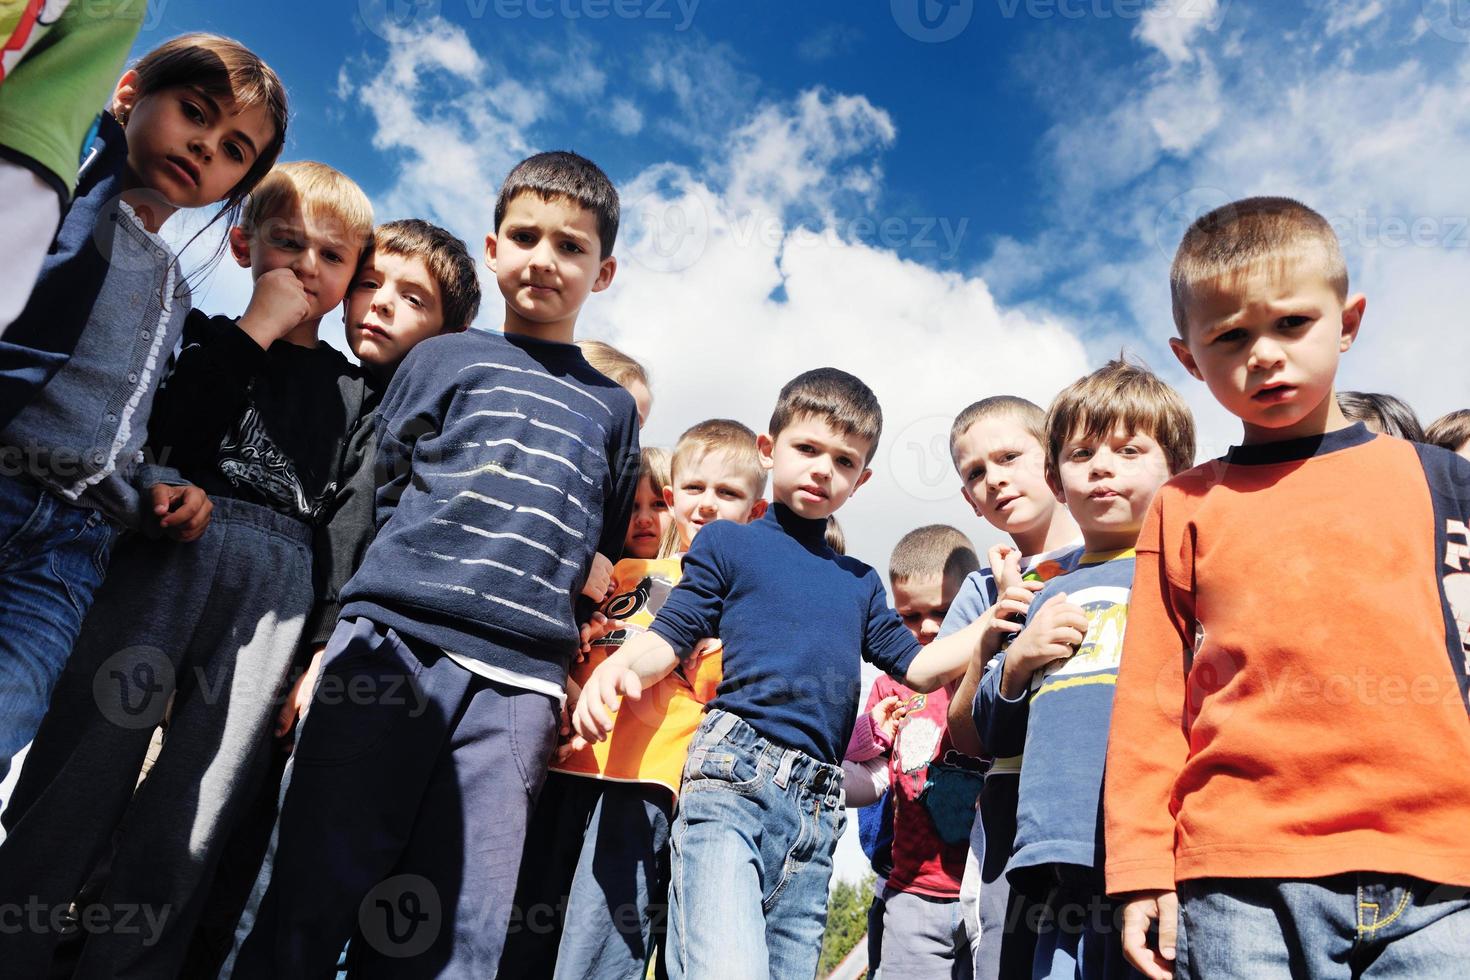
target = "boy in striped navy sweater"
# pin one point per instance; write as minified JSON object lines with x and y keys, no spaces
{"x":505,"y":464}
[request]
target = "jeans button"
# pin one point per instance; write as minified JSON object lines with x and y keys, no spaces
{"x":132,"y":377}
{"x":146,"y":335}
{"x":99,"y":457}
{"x":111,"y":416}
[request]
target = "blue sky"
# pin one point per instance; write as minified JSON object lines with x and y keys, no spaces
{"x":950,"y":198}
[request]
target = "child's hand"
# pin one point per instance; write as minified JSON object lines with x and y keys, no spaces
{"x":595,"y":629}
{"x":276,"y":307}
{"x":1007,"y":618}
{"x":608,"y":685}
{"x":887,"y":713}
{"x":1138,"y":912}
{"x":1005,"y":566}
{"x":299,"y":699}
{"x":1054,"y":633}
{"x":182,"y":512}
{"x":599,"y":578}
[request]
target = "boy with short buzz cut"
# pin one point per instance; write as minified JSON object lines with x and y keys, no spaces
{"x":998,"y":446}
{"x":1113,"y":438}
{"x":508,"y":463}
{"x":761,"y":807}
{"x":258,"y":412}
{"x":922,"y":931}
{"x":1289,"y":767}
{"x":630,"y":782}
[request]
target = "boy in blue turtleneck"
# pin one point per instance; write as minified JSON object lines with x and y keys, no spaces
{"x":761,"y":807}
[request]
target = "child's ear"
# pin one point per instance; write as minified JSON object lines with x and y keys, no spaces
{"x":1181,"y":351}
{"x":867,"y":475}
{"x":125,"y":96}
{"x":1352,"y":320}
{"x":758,"y":509}
{"x":1054,"y":482}
{"x":974,"y":504}
{"x":669,"y":497}
{"x":765,"y":447}
{"x":240,"y":246}
{"x":605,"y":274}
{"x":490,"y":244}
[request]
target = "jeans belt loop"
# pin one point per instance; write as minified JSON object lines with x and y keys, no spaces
{"x":783,"y":774}
{"x":722,"y":727}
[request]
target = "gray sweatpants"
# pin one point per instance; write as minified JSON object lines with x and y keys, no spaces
{"x":218,"y":621}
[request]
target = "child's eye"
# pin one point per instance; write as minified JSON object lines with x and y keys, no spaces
{"x":1293,"y":322}
{"x":1230,"y":336}
{"x":804,"y":448}
{"x":1080,"y":454}
{"x":366,"y":284}
{"x":1129,"y":451}
{"x":523,"y":237}
{"x":192,"y":111}
{"x":975,"y":474}
{"x":572,"y":247}
{"x":844,"y":462}
{"x":1010,"y":457}
{"x":332,"y":257}
{"x":660,"y":505}
{"x":415,"y":301}
{"x":235,"y":153}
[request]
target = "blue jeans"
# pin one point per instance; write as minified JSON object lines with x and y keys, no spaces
{"x":752,"y":856}
{"x":53,"y":555}
{"x":1348,"y":925}
{"x":620,"y":889}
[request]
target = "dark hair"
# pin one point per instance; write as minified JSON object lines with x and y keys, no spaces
{"x":447,"y":260}
{"x":561,"y":173}
{"x":1381,"y":413}
{"x":835,"y":397}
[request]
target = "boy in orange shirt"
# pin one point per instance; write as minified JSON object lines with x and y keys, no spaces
{"x":608,"y":806}
{"x":1288,"y":771}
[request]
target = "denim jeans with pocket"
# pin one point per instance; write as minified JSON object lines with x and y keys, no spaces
{"x":1351,"y":925}
{"x":753,"y":840}
{"x":53,"y":555}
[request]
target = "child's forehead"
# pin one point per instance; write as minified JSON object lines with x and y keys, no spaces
{"x":404,"y":266}
{"x":935,"y":588}
{"x":317,"y":218}
{"x":997,"y":431}
{"x":1275,"y":279}
{"x":531,"y":207}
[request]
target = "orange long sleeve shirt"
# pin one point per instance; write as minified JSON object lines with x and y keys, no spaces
{"x":1291,"y":698}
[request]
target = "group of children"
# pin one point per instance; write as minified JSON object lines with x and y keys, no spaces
{"x":558,"y":705}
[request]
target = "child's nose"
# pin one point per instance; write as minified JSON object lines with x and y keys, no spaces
{"x":1265,"y":353}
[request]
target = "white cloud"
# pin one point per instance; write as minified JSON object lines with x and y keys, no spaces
{"x":1170,"y":26}
{"x":625,"y":117}
{"x":1348,"y":16}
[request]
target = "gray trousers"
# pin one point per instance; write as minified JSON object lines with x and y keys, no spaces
{"x":216,"y":624}
{"x":924,"y":938}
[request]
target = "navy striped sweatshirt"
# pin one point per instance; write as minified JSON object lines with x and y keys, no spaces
{"x":504,"y":463}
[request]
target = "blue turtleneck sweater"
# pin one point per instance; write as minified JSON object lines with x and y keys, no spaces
{"x":794,"y":618}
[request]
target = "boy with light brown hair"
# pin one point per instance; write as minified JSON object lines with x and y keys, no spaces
{"x":1252,"y":809}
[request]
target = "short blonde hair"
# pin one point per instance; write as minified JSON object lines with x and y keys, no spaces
{"x":934,"y":549}
{"x":1031,"y":416}
{"x":1449,"y":431}
{"x":613,"y":363}
{"x":317,"y":189}
{"x":653,"y":466}
{"x":1246,"y":234}
{"x":1126,"y":395}
{"x":727,"y":437}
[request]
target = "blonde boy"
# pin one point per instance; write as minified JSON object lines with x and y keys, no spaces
{"x":998,"y":446}
{"x":1289,"y":765}
{"x":1113,"y":438}
{"x":619,"y":888}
